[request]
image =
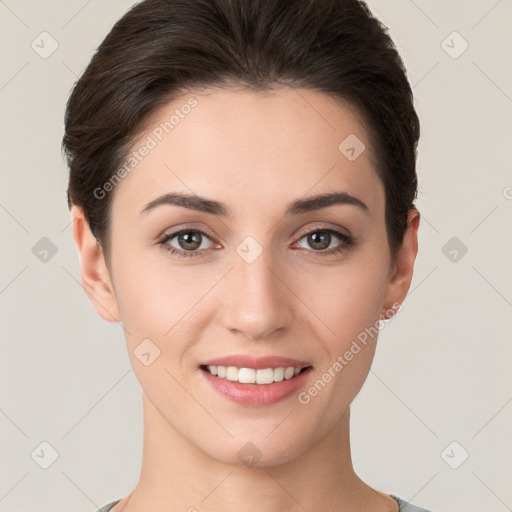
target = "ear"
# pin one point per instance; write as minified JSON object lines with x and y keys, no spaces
{"x":401,"y":275}
{"x":93,"y":269}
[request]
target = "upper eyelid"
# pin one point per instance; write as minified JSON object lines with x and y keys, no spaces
{"x":184,"y":229}
{"x":337,"y":231}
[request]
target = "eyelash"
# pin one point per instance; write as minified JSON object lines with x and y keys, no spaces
{"x":347,"y":242}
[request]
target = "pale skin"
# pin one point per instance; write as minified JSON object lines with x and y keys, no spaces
{"x":255,"y":153}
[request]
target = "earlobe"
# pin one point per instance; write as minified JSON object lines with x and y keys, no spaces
{"x":93,"y":270}
{"x":401,"y":278}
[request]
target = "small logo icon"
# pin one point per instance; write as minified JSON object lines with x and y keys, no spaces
{"x":249,"y":249}
{"x":454,"y":455}
{"x":249,"y":455}
{"x":146,"y":352}
{"x":44,"y":45}
{"x":352,"y":147}
{"x":454,"y":249}
{"x":44,"y":250}
{"x":44,"y":455}
{"x":455,"y":45}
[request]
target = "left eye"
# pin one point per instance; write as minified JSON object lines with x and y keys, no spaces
{"x":320,"y":239}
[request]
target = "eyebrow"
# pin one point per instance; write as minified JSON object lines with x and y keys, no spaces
{"x":202,"y":204}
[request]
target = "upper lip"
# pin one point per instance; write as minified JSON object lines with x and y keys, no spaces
{"x":256,"y":362}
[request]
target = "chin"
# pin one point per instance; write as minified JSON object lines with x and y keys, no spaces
{"x":258,"y":450}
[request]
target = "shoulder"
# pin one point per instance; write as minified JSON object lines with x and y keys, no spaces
{"x":404,"y":506}
{"x":108,"y":506}
{"x":408,"y":507}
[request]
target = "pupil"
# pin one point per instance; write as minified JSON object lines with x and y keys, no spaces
{"x":317,"y":240}
{"x":188,"y":238}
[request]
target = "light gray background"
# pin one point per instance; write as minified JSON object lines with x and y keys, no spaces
{"x":442,"y":371}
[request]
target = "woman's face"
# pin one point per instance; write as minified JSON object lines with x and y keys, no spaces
{"x":256,"y":284}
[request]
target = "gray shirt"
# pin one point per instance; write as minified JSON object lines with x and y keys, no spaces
{"x":404,"y":506}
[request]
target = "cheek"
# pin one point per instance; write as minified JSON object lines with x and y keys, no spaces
{"x":152,"y":294}
{"x":156,"y":306}
{"x":347,"y":302}
{"x":345,"y":299}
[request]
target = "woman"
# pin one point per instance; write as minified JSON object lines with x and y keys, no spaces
{"x":242,"y":179}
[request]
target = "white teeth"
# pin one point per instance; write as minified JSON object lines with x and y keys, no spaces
{"x":265,"y":376}
{"x":247,"y":375}
{"x":288,"y":373}
{"x":252,"y":376}
{"x":278,"y":374}
{"x":232,"y":373}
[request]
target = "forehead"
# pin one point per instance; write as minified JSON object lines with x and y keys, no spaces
{"x":252,"y":146}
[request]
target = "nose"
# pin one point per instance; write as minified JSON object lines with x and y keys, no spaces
{"x":257,"y":302}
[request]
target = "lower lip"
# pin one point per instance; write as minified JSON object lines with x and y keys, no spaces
{"x":257,"y":395}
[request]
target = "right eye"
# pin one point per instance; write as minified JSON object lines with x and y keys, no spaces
{"x":190,"y":242}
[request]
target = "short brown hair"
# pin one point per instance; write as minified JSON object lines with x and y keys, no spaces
{"x":161,"y":48}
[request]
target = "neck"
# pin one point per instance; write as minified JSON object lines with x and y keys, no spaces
{"x":176,"y":475}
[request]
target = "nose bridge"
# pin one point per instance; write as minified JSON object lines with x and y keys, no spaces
{"x":256,"y":301}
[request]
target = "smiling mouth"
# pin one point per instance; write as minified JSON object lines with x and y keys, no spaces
{"x":263,"y":376}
